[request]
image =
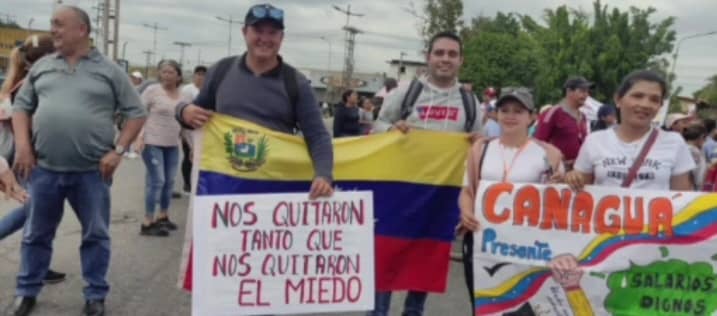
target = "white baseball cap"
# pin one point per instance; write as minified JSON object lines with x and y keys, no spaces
{"x":672,"y":118}
{"x":137,"y":75}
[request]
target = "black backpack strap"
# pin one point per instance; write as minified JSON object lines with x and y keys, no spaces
{"x":470,"y":107}
{"x":215,"y":81}
{"x":414,"y":90}
{"x":291,"y":85}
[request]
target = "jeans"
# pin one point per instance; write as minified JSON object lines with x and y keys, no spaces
{"x":14,"y":220}
{"x":161,"y":163}
{"x":412,"y":306}
{"x":89,"y":196}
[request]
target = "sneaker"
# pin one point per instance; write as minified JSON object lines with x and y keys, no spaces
{"x":132,"y":155}
{"x":176,"y":195}
{"x":153,"y":230}
{"x":94,"y":308}
{"x":22,"y":306}
{"x":53,"y":277}
{"x":166,"y":224}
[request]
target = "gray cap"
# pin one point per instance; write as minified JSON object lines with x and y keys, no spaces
{"x":522,"y":95}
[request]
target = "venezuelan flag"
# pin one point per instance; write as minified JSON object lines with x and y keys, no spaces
{"x":415,"y":179}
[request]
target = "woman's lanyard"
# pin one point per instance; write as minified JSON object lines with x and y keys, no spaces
{"x":508,"y":168}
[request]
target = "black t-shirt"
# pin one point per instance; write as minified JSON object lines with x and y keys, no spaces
{"x":346,"y":121}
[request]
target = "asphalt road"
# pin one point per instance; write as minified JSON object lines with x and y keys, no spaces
{"x":143,"y":271}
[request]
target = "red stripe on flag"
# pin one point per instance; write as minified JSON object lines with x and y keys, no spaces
{"x":412,"y":264}
{"x":188,"y":273}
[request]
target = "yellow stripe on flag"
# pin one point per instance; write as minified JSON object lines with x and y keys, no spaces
{"x":384,"y":157}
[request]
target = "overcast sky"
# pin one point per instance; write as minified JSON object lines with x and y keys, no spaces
{"x":389,"y":29}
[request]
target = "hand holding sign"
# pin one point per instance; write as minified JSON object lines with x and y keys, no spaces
{"x":566,"y":271}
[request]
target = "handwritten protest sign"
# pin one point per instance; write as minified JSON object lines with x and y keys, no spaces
{"x":547,"y":250}
{"x":282,"y":253}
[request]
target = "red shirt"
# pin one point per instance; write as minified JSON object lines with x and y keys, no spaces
{"x":562,"y":130}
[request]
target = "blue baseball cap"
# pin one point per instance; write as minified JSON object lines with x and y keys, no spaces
{"x":606,"y":110}
{"x":265,"y":12}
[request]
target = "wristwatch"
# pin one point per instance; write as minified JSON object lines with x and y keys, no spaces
{"x":119,"y":149}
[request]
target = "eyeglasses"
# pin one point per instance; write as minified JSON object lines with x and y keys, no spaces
{"x":266,"y":11}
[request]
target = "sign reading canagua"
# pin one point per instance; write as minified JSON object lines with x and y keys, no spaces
{"x":548,"y":250}
{"x":283,"y":253}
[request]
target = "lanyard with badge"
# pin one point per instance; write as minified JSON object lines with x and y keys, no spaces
{"x":508,"y":168}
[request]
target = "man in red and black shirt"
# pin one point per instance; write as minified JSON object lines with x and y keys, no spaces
{"x":563,"y":125}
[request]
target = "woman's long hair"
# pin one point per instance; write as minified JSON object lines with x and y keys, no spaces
{"x":22,"y":57}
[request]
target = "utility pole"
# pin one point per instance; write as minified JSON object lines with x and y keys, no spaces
{"x":115,"y":29}
{"x":106,"y":28}
{"x":98,"y":23}
{"x":328,"y":91}
{"x":124,"y":50}
{"x":400,"y":66}
{"x":182,"y":45}
{"x":149,"y":54}
{"x":156,"y":28}
{"x":350,"y":43}
{"x":231,"y":23}
{"x":110,"y":37}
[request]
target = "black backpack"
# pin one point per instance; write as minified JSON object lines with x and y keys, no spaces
{"x":414,"y":90}
{"x":287,"y":72}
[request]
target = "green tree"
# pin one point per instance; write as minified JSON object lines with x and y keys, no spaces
{"x":708,"y":93}
{"x":604,"y":46}
{"x":499,"y":53}
{"x":440,"y":16}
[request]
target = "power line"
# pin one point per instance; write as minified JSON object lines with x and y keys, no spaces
{"x":182,"y":45}
{"x":156,"y":28}
{"x":231,"y":24}
{"x":147,"y":53}
{"x":350,"y":43}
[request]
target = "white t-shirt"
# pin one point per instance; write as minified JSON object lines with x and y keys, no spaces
{"x":190,"y":90}
{"x":608,"y":158}
{"x":530,"y":166}
{"x":698,"y":174}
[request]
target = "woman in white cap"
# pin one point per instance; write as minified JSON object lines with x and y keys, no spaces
{"x":512,"y":157}
{"x":677,"y":122}
{"x":136,"y":78}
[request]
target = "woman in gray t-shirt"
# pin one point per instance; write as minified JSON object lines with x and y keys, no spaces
{"x":366,"y":115}
{"x":159,"y":143}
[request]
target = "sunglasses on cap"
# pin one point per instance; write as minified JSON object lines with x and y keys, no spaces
{"x":263,"y":11}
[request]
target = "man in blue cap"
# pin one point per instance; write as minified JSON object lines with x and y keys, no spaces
{"x":259,"y":87}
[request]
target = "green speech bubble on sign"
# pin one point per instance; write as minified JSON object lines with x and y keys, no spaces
{"x":670,"y":288}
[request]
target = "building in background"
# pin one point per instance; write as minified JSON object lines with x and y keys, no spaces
{"x":10,"y":37}
{"x":328,"y":86}
{"x":405,"y":70}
